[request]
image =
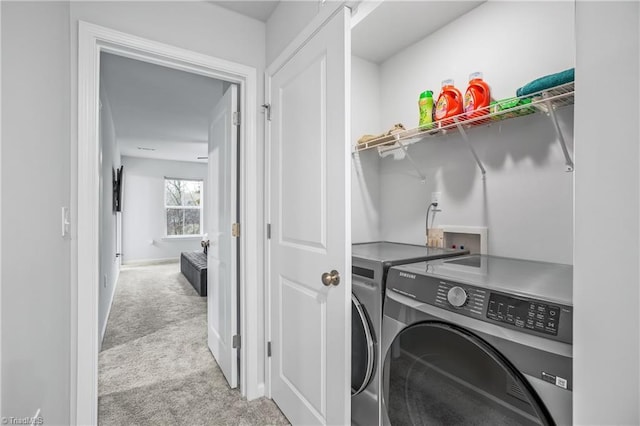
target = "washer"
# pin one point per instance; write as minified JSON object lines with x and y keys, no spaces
{"x":478,"y":340}
{"x":370,"y":263}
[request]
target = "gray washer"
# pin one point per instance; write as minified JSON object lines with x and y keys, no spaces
{"x":479,"y":339}
{"x":370,"y":264}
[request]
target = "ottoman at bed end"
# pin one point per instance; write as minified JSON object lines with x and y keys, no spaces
{"x":193,"y":265}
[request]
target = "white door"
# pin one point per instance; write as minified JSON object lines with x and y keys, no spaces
{"x":309,"y":212}
{"x":220,"y":215}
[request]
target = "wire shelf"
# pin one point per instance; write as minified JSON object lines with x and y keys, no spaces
{"x":546,"y":101}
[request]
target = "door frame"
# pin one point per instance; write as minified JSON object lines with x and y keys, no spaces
{"x":0,"y":214}
{"x":92,"y":40}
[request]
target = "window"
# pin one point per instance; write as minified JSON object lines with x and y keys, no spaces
{"x":183,"y":206}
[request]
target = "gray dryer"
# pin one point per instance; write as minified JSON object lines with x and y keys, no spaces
{"x":370,"y":264}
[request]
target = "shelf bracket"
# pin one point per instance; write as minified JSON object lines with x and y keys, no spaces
{"x":552,"y":113}
{"x":473,"y":151}
{"x":423,"y":178}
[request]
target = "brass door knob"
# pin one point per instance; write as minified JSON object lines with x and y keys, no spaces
{"x":331,"y":278}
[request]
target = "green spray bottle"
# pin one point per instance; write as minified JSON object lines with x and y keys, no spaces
{"x":425,"y":104}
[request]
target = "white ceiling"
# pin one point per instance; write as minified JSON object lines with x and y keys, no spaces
{"x":166,"y":111}
{"x":394,"y":25}
{"x":260,"y":10}
{"x":158,"y":108}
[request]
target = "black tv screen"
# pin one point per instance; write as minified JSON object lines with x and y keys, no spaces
{"x":117,"y":189}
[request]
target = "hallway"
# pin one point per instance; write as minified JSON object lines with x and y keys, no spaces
{"x":155,"y":367}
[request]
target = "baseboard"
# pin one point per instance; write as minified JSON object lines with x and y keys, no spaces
{"x":106,"y":320}
{"x":146,"y":262}
{"x":260,"y":390}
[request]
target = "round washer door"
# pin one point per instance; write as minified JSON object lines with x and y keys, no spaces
{"x":362,"y":348}
{"x":440,"y":374}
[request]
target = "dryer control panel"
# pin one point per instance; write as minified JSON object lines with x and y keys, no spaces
{"x":541,"y":317}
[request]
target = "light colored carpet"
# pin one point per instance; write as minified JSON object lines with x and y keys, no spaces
{"x":155,"y":366}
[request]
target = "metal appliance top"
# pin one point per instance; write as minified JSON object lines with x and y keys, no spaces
{"x":551,"y":282}
{"x":390,"y":254}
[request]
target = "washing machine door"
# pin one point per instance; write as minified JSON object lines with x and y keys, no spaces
{"x":436,"y":373}
{"x":362,"y":347}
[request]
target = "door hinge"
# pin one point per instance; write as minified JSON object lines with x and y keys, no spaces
{"x":235,"y":343}
{"x":235,"y":230}
{"x":236,"y":118}
{"x":269,"y":349}
{"x":268,"y":231}
{"x":267,"y":107}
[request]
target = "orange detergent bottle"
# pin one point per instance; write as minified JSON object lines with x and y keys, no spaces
{"x":450,"y":103}
{"x":477,"y":97}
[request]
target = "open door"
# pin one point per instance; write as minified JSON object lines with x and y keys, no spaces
{"x":221,"y":215}
{"x":310,"y":217}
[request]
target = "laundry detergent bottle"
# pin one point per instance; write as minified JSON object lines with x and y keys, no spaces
{"x":450,"y":103}
{"x":425,"y":105}
{"x":477,"y":97}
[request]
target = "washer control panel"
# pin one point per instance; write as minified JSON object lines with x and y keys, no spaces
{"x":528,"y":315}
{"x":468,"y":299}
{"x":536,"y":316}
{"x":457,"y":296}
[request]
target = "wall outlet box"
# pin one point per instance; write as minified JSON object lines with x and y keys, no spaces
{"x":472,"y":238}
{"x":435,"y":198}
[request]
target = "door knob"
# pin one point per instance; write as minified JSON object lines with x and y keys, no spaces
{"x":331,"y":278}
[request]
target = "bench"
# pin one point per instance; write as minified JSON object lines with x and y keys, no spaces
{"x":193,"y":265}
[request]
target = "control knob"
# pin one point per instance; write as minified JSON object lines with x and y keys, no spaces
{"x":457,"y":296}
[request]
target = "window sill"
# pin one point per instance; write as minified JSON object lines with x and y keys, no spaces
{"x":181,"y":237}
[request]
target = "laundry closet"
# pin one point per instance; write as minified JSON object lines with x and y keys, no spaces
{"x":504,"y":188}
{"x":523,"y":201}
{"x":477,"y":327}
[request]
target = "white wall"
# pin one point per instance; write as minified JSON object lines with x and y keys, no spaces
{"x":39,"y":148}
{"x":607,"y":194}
{"x":481,"y":40}
{"x":35,"y":185}
{"x":197,"y":26}
{"x":365,"y":173}
{"x":109,"y":232}
{"x":1,"y":412}
{"x":143,"y":215}
{"x":284,"y":24}
{"x":526,"y":199}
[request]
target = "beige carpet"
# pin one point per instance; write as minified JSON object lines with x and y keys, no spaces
{"x":155,"y":366}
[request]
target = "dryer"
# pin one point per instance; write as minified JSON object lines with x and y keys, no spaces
{"x":370,"y":264}
{"x":478,"y":340}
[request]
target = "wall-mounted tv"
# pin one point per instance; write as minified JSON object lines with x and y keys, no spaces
{"x":117,"y":189}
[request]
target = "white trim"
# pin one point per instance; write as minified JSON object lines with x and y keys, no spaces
{"x":362,"y":9}
{"x":106,"y":319}
{"x":267,"y":242}
{"x":324,"y":14}
{"x":182,"y":237}
{"x":0,"y":214}
{"x":149,"y":262}
{"x":92,"y":39}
